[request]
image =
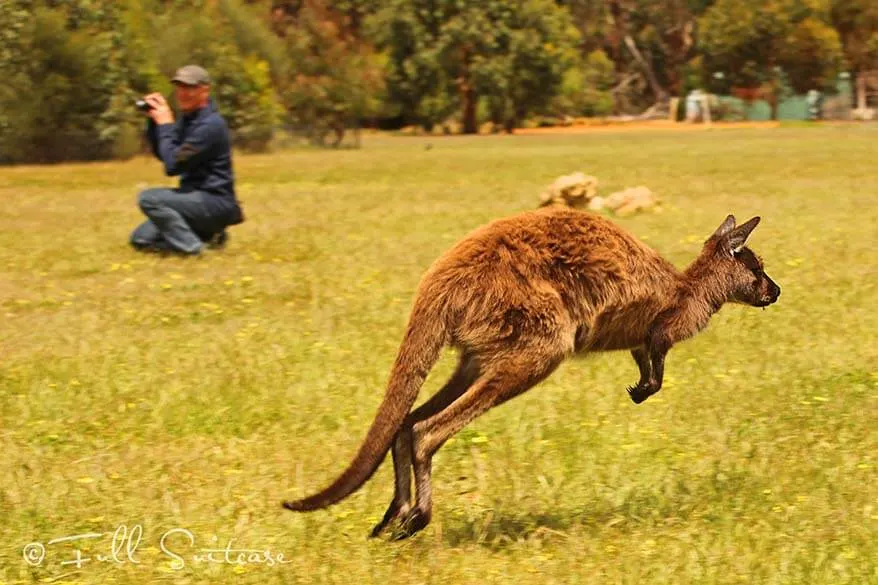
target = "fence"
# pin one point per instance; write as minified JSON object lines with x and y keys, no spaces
{"x":835,"y":106}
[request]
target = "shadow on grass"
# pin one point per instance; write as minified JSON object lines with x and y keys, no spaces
{"x":498,"y":529}
{"x":627,"y":510}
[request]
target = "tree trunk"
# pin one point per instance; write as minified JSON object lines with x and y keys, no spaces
{"x":470,"y":120}
{"x":618,"y":30}
{"x":509,"y":125}
{"x":468,"y":96}
{"x":678,"y":47}
{"x":661,"y":94}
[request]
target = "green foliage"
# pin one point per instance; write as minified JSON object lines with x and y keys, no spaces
{"x":253,"y":37}
{"x":221,"y":38}
{"x":69,"y":100}
{"x":13,"y":55}
{"x":335,"y":77}
{"x":811,"y":55}
{"x":247,"y":98}
{"x":72,"y":68}
{"x":857,"y":24}
{"x":449,"y":54}
{"x":747,"y":41}
{"x":650,"y":43}
{"x":87,"y":62}
{"x":585,"y":90}
{"x":522,"y":77}
{"x":417,"y":82}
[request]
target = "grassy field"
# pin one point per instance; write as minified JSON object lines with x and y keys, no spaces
{"x":196,"y":394}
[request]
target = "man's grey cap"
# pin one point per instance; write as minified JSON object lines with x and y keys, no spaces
{"x":191,"y":75}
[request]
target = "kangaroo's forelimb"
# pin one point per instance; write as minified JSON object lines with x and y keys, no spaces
{"x":651,"y":362}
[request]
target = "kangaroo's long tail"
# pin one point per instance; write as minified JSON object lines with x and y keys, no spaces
{"x":424,"y":339}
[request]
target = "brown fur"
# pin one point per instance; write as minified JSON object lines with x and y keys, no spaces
{"x":517,"y":297}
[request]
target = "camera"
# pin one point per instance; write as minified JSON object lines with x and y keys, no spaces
{"x":142,"y":105}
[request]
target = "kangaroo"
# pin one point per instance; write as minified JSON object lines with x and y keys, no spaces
{"x":518,"y":296}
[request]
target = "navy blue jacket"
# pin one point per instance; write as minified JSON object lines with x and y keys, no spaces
{"x":198,"y":149}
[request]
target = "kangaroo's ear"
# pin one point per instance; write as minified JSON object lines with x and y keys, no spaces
{"x":725,"y":227}
{"x":738,"y":236}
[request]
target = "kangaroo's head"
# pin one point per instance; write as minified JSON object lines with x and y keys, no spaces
{"x":741,"y":271}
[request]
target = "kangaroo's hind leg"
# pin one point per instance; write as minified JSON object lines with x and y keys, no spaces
{"x":504,"y":378}
{"x":461,"y":379}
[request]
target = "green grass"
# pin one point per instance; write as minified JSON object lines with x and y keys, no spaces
{"x":200,"y":393}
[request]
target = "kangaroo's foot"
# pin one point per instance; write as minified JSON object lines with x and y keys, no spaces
{"x":396,"y":513}
{"x":413,"y":522}
{"x":641,"y":392}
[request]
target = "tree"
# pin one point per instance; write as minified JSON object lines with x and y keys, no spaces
{"x":586,"y":88}
{"x":650,"y":39}
{"x":67,"y":94}
{"x":757,"y":44}
{"x":447,"y":54}
{"x":857,"y":24}
{"x":525,"y":68}
{"x":14,"y":17}
{"x":667,"y":30}
{"x":335,"y":76}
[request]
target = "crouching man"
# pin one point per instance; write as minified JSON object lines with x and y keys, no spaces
{"x":196,"y":147}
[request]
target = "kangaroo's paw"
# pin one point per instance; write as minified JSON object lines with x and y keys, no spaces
{"x":395,"y":513}
{"x":641,"y":392}
{"x":414,"y":522}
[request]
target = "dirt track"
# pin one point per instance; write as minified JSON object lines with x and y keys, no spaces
{"x":640,"y":126}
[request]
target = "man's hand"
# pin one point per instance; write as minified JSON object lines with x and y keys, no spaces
{"x":161,"y":112}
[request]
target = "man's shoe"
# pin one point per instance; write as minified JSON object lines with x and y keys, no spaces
{"x":218,"y":241}
{"x":159,"y":246}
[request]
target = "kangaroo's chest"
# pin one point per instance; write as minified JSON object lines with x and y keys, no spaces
{"x":617,"y":327}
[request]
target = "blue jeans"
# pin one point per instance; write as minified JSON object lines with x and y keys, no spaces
{"x":178,"y":221}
